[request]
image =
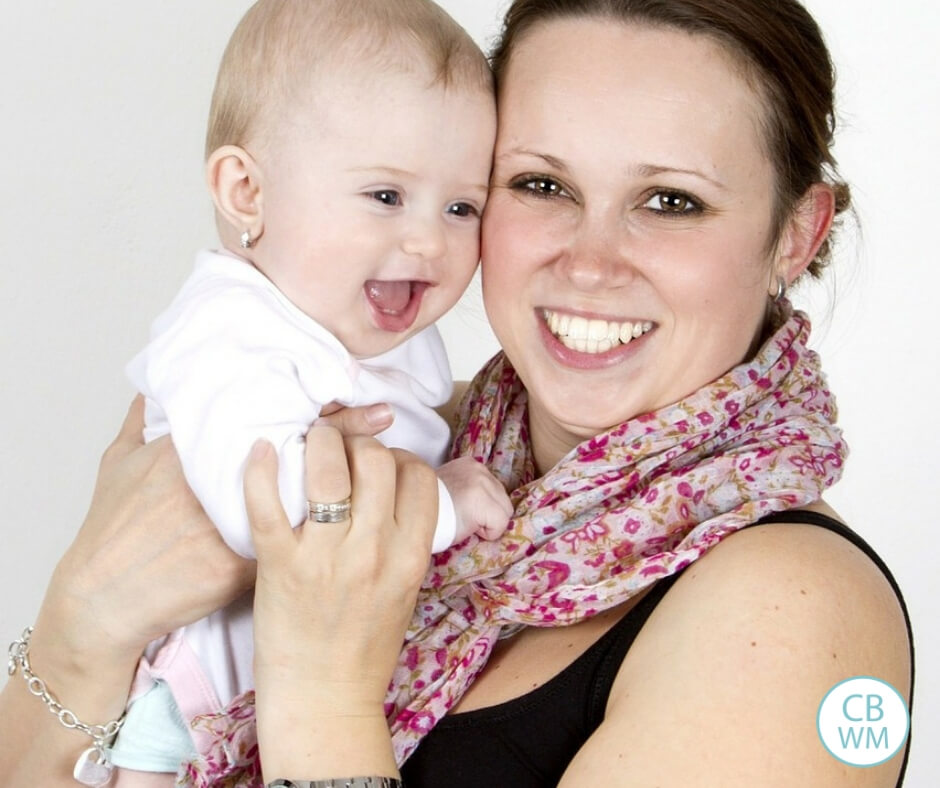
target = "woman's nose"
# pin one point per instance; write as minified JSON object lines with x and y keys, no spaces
{"x":424,"y":238}
{"x":598,"y":259}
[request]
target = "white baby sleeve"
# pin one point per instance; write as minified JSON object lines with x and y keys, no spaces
{"x":225,"y":371}
{"x":446,"y":530}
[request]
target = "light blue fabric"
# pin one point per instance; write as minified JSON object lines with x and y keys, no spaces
{"x":154,"y":737}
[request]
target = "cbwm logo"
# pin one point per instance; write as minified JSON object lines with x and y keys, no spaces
{"x":863,"y":721}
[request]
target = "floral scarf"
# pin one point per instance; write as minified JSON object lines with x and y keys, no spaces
{"x":621,"y":510}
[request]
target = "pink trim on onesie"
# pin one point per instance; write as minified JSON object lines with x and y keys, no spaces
{"x":177,"y":664}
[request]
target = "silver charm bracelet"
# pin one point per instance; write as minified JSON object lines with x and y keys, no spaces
{"x":93,"y":767}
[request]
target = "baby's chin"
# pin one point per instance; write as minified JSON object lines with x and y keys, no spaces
{"x":375,"y":341}
{"x":377,"y":346}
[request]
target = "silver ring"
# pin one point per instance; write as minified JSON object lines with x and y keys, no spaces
{"x":328,"y":512}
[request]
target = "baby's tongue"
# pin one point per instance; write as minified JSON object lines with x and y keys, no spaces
{"x":389,"y":296}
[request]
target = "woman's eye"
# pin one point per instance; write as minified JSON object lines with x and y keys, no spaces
{"x":462,"y":210}
{"x":675,"y":203}
{"x":387,"y":197}
{"x":539,"y":186}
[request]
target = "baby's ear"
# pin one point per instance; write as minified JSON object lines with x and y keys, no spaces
{"x":234,"y":181}
{"x":805,"y":231}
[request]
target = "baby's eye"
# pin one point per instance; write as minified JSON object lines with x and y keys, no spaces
{"x":539,"y":186}
{"x":388,"y":197}
{"x":676,"y":203}
{"x":462,"y":210}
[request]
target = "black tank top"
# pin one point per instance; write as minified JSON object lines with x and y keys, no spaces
{"x":529,"y":741}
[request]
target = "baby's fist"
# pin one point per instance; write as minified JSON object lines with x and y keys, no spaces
{"x":480,"y":501}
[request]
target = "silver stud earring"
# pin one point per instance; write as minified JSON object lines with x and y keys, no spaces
{"x":245,"y":240}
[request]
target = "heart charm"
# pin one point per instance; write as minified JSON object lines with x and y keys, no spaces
{"x":93,"y":768}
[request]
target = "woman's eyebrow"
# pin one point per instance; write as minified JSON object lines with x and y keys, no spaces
{"x":652,"y":170}
{"x":551,"y":161}
{"x":640,"y":170}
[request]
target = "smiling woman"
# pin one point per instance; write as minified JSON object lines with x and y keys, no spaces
{"x":683,"y":238}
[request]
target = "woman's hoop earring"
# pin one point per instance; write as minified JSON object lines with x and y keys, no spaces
{"x":246,"y":240}
{"x":781,"y":289}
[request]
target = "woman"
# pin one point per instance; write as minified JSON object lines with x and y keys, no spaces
{"x":663,"y":168}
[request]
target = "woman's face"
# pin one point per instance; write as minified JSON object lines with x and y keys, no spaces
{"x":625,"y":242}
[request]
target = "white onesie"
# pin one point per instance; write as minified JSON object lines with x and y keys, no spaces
{"x":233,"y":360}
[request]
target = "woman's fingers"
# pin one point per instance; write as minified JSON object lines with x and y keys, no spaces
{"x":365,"y":420}
{"x":328,"y":480}
{"x":132,"y":430}
{"x":416,"y":501}
{"x":270,"y":530}
{"x":372,"y":471}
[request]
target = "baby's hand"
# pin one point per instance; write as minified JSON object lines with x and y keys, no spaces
{"x":480,"y":501}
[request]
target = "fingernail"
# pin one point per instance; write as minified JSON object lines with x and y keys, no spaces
{"x":260,"y":449}
{"x":378,"y":415}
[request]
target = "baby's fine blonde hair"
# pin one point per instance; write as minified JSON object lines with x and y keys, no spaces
{"x":280,"y":45}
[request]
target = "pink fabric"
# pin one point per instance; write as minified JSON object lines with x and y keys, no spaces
{"x":177,"y":664}
{"x":620,"y":511}
{"x":231,"y":760}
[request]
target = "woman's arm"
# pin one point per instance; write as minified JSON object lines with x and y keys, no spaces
{"x":332,"y":603}
{"x":145,"y":561}
{"x":722,"y":686}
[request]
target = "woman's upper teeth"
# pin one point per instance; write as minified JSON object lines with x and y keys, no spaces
{"x":593,"y":336}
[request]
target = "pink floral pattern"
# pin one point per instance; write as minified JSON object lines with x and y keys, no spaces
{"x":232,"y":760}
{"x":620,"y":511}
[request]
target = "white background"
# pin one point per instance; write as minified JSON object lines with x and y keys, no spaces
{"x":103,"y":205}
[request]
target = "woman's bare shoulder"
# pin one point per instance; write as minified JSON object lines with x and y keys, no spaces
{"x":731,"y":667}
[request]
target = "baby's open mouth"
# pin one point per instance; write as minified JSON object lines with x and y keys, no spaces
{"x":395,"y":303}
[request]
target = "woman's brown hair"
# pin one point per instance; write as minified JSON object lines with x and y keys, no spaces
{"x":784,"y":57}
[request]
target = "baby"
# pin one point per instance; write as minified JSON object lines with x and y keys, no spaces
{"x":348,"y":156}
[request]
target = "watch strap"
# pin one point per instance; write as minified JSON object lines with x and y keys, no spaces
{"x":340,"y":782}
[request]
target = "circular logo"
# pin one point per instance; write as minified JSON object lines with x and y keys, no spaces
{"x":863,"y":721}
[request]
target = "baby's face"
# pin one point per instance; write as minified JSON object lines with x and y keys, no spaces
{"x":372,"y":202}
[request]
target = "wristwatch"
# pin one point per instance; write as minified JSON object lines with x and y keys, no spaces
{"x":340,"y":782}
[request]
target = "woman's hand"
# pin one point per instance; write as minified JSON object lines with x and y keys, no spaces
{"x":332,"y":602}
{"x":146,"y":561}
{"x":361,"y":420}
